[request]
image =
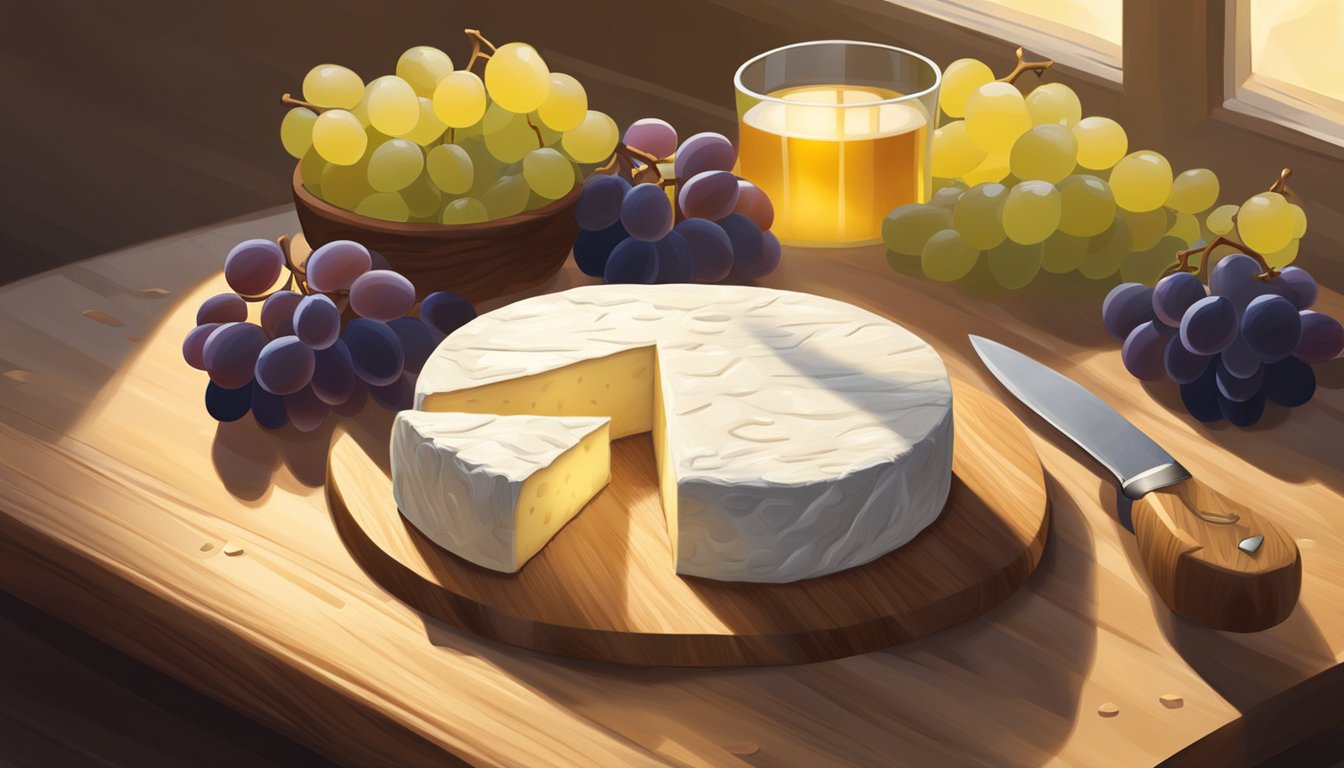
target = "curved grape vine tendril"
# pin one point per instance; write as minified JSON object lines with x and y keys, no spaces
{"x":1022,"y":65}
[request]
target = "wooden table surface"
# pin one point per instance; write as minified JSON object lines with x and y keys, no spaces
{"x":118,"y":495}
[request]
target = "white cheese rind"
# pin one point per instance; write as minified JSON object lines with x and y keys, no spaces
{"x":806,"y":435}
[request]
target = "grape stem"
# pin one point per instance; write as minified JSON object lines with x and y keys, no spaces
{"x":541,"y":143}
{"x":1038,"y":67}
{"x":1280,"y":185}
{"x":290,"y":101}
{"x":477,"y":40}
{"x":1183,"y":259}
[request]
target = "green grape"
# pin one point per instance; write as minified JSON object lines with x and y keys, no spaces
{"x":517,"y":78}
{"x":1284,"y":256}
{"x":310,"y":171}
{"x":1101,"y":142}
{"x":1146,"y":266}
{"x":961,"y":78}
{"x":1031,"y":212}
{"x":566,"y":104}
{"x":429,"y":128}
{"x":947,"y":197}
{"x":1086,"y":205}
{"x":1014,"y":265}
{"x":952,"y":153}
{"x":549,"y":136}
{"x":393,"y":106}
{"x":996,"y":115}
{"x":339,"y":137}
{"x":506,"y":197}
{"x":1265,"y":222}
{"x":1299,"y":220}
{"x":459,"y":99}
{"x":485,"y":167}
{"x":344,"y":186}
{"x":907,"y":228}
{"x":511,"y":142}
{"x":1219,"y":220}
{"x":548,"y":173}
{"x":1107,"y":251}
{"x":395,"y":164}
{"x":993,"y":168}
{"x":332,"y":86}
{"x":361,"y":109}
{"x":978,"y":215}
{"x":296,"y":131}
{"x":947,"y":257}
{"x":423,"y":67}
{"x":1064,"y":252}
{"x":464,"y":210}
{"x":1193,"y":191}
{"x":1141,"y":181}
{"x":593,"y":141}
{"x":1054,"y":104}
{"x":387,"y":206}
{"x":1185,"y":229}
{"x":1046,"y":152}
{"x":450,"y":168}
{"x":1146,"y":228}
{"x":423,"y":199}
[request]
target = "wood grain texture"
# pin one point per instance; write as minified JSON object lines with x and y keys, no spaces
{"x":1188,"y":535}
{"x":604,"y":588}
{"x":479,"y":261}
{"x":113,"y":479}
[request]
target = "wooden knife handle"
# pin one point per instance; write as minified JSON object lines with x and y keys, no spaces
{"x":1189,"y":537}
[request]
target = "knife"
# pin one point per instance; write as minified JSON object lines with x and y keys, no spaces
{"x":1211,"y":558}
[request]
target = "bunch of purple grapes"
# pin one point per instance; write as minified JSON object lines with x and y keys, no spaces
{"x":714,"y":228}
{"x":1231,"y":347}
{"x":304,"y":360}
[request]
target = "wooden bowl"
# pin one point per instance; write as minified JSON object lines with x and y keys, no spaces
{"x":478,"y":261}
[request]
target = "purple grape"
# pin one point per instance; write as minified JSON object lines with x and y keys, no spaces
{"x":1234,"y":277}
{"x":592,"y":249}
{"x":253,"y":266}
{"x":1271,"y":327}
{"x":222,"y":308}
{"x":277,"y":313}
{"x":708,"y":195}
{"x":599,"y":204}
{"x":745,"y":236}
{"x":377,"y":260}
{"x":646,"y":213}
{"x":1182,"y":365}
{"x":375,"y":351}
{"x":704,"y":152}
{"x":651,"y":135}
{"x":770,"y":254}
{"x":1200,"y":397}
{"x":1243,"y":413}
{"x":1175,"y":294}
{"x":381,"y":294}
{"x":268,"y":409}
{"x":445,"y":312}
{"x":355,"y":402}
{"x":334,"y":378}
{"x":1239,"y":360}
{"x":397,"y":396}
{"x":230,"y":353}
{"x":1239,"y":388}
{"x":228,"y":403}
{"x":1290,"y":382}
{"x":1296,"y":285}
{"x":753,"y":203}
{"x":317,"y":322}
{"x":284,"y":366}
{"x":193,"y":346}
{"x":1209,"y":325}
{"x":674,"y":259}
{"x":305,"y":410}
{"x":711,"y":250}
{"x":1125,"y":307}
{"x":1144,"y":351}
{"x":418,"y":341}
{"x":633,"y":261}
{"x":1322,"y":338}
{"x":336,"y":265}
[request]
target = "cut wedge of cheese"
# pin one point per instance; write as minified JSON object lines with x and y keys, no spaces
{"x":796,"y":436}
{"x":495,"y":489}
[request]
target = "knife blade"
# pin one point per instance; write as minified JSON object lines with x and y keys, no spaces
{"x":1211,"y":558}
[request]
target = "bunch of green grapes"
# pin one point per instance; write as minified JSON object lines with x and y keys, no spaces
{"x":435,"y":144}
{"x":1270,"y":223}
{"x":1031,"y":185}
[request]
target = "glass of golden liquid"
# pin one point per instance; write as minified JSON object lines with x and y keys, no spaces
{"x":836,"y":132}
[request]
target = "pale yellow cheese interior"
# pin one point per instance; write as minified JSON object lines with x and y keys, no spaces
{"x":553,"y":495}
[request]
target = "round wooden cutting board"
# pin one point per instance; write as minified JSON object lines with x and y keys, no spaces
{"x":604,"y":589}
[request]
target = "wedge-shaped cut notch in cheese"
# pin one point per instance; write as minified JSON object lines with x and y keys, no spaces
{"x":496,"y":488}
